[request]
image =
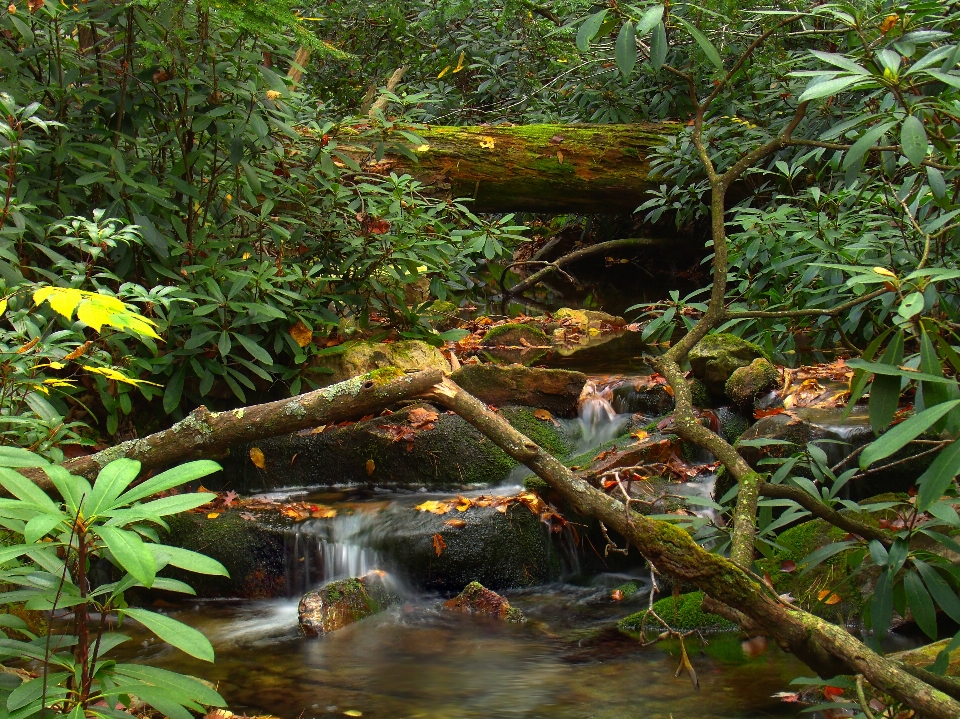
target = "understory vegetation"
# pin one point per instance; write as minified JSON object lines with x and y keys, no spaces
{"x":203,"y":201}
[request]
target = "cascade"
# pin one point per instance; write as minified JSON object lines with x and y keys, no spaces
{"x":319,"y":551}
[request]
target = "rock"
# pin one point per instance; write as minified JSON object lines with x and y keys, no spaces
{"x":715,"y":358}
{"x":643,"y":396}
{"x":583,"y":320}
{"x":683,"y":614}
{"x":746,"y":383}
{"x":344,"y":602}
{"x":514,"y":334}
{"x":444,"y":315}
{"x":923,"y":657}
{"x":375,"y":452}
{"x":478,"y":599}
{"x":360,"y":357}
{"x":251,"y":550}
{"x":732,"y":423}
{"x":552,"y":389}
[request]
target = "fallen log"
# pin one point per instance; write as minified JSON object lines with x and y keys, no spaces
{"x":210,"y":435}
{"x":537,"y":168}
{"x":825,"y":647}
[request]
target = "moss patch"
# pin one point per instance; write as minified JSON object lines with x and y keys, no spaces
{"x":684,"y":615}
{"x":512,"y":333}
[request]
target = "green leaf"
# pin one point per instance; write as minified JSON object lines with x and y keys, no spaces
{"x":33,"y":689}
{"x":162,"y":507}
{"x":863,"y":144}
{"x":932,"y":484}
{"x":168,"y":480}
{"x":73,"y":489}
{"x":174,"y":390}
{"x":908,"y":430}
{"x":130,"y":552}
{"x":945,"y":597}
{"x":817,"y":557}
{"x":625,"y":51}
{"x":826,"y":88}
{"x":188,"y":560}
{"x":921,"y":606}
{"x":17,"y":457}
{"x":913,"y":140}
{"x":110,"y":482}
{"x":41,"y":525}
{"x":255,"y":350}
{"x":658,"y":47}
{"x":889,"y":370}
{"x":159,"y":699}
{"x":22,"y":488}
{"x":841,"y":61}
{"x":186,"y":639}
{"x":708,"y":49}
{"x":911,"y":306}
{"x":937,"y":184}
{"x":884,"y":398}
{"x":179,"y":684}
{"x":881,"y":606}
{"x":649,"y":20}
{"x":589,"y":30}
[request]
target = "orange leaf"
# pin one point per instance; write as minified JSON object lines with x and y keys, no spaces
{"x":28,"y":346}
{"x":256,"y":456}
{"x":828,"y":597}
{"x":888,"y":23}
{"x":370,"y":467}
{"x":438,"y":544}
{"x":832,"y":693}
{"x":455,"y":523}
{"x":78,"y":352}
{"x":542,"y":414}
{"x":213,"y":515}
{"x":301,"y":334}
{"x":617,"y":595}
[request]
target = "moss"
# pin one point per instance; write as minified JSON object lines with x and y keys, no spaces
{"x":715,"y":358}
{"x":699,"y":394}
{"x":512,"y":333}
{"x":628,"y":589}
{"x":536,"y":485}
{"x":732,"y":424}
{"x":747,"y":382}
{"x":576,"y":317}
{"x":544,"y":433}
{"x":443,"y":307}
{"x":684,"y":614}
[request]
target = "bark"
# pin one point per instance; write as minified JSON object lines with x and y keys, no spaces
{"x":210,"y":435}
{"x":825,"y":647}
{"x":537,"y":168}
{"x":299,"y":65}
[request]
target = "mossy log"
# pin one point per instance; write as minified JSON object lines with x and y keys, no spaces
{"x":538,"y":168}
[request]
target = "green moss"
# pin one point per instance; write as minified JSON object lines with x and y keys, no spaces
{"x":511,"y":334}
{"x":747,"y":382}
{"x":544,"y":433}
{"x":699,"y":394}
{"x":536,"y":485}
{"x":682,"y":614}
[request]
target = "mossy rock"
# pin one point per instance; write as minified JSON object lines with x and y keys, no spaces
{"x":358,"y":358}
{"x":514,"y":334}
{"x":344,"y":602}
{"x":748,"y":382}
{"x":444,"y":315}
{"x":555,"y":390}
{"x":732,"y":423}
{"x":251,"y":550}
{"x":451,"y":455}
{"x":477,"y":599}
{"x":683,"y":614}
{"x":584,"y":320}
{"x":717,"y":356}
{"x":644,"y":398}
{"x":699,"y":394}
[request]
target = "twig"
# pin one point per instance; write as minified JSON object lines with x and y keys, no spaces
{"x":862,"y":698}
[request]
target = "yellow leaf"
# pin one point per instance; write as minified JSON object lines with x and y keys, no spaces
{"x":421,"y":148}
{"x":434,"y":507}
{"x":371,"y":465}
{"x":487,"y":142}
{"x":459,"y":66}
{"x":256,"y":456}
{"x":301,"y":334}
{"x":888,"y":23}
{"x":272,"y":94}
{"x":213,"y":515}
{"x":443,"y":72}
{"x":883,"y":271}
{"x":353,"y":713}
{"x":3,"y":305}
{"x":542,"y":414}
{"x":118,"y":376}
{"x":639,"y":434}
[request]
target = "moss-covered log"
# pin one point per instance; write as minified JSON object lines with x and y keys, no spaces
{"x":539,"y":168}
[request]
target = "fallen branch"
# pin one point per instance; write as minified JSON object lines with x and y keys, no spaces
{"x":556,"y":265}
{"x":210,"y":435}
{"x":827,"y":648}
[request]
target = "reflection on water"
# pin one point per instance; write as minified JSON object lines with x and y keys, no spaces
{"x":421,"y":661}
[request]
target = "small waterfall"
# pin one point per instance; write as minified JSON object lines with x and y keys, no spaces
{"x":321,"y":550}
{"x":598,"y":421}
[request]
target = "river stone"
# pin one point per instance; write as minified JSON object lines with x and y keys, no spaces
{"x":514,"y":334}
{"x":477,"y":599}
{"x":585,"y":319}
{"x":716,"y":357}
{"x":344,"y":602}
{"x":451,"y":455}
{"x":361,"y":357}
{"x":649,"y":398}
{"x":748,"y":382}
{"x":555,"y":390}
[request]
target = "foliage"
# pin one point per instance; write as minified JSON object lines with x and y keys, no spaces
{"x":52,"y":571}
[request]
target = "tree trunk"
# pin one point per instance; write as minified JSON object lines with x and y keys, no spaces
{"x":825,"y":647}
{"x":538,"y":168}
{"x":210,"y":435}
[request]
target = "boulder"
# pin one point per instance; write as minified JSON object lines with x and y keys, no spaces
{"x":357,"y":358}
{"x":584,"y":320}
{"x":732,"y":423}
{"x":515,"y":334}
{"x":644,"y":396}
{"x":418,"y":446}
{"x":344,"y":602}
{"x":746,"y":383}
{"x":477,"y":599}
{"x":717,"y":356}
{"x":555,"y":390}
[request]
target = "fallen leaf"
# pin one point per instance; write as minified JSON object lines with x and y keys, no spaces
{"x":230,"y":498}
{"x":832,"y":693}
{"x":370,"y":467}
{"x":542,"y":414}
{"x":353,"y":713}
{"x":301,"y":334}
{"x":438,"y":544}
{"x":418,"y":417}
{"x":487,"y":142}
{"x":617,"y":595}
{"x":828,"y":597}
{"x":455,"y":523}
{"x":434,"y":507}
{"x":559,"y":157}
{"x":247,"y":516}
{"x":788,"y":566}
{"x":640,"y":434}
{"x":213,"y":515}
{"x":556,"y":140}
{"x":256,"y":456}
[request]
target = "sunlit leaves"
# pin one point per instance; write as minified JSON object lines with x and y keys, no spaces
{"x":94,"y":309}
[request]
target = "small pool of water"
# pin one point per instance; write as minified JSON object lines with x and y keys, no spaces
{"x":418,"y":660}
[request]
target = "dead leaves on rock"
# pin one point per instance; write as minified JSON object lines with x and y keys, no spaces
{"x":531,"y":501}
{"x":258,"y":458}
{"x":419,"y":419}
{"x":438,"y":544}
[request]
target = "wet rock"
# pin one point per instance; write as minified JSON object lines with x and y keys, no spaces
{"x":746,"y":383}
{"x":344,"y":602}
{"x":643,"y":396}
{"x":252,"y":550}
{"x":551,"y":389}
{"x":515,"y":334}
{"x":682,"y":613}
{"x":360,"y":357}
{"x":444,"y":315}
{"x":389,"y":452}
{"x":478,"y":599}
{"x":584,"y":320}
{"x":732,"y":423}
{"x":717,"y":356}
